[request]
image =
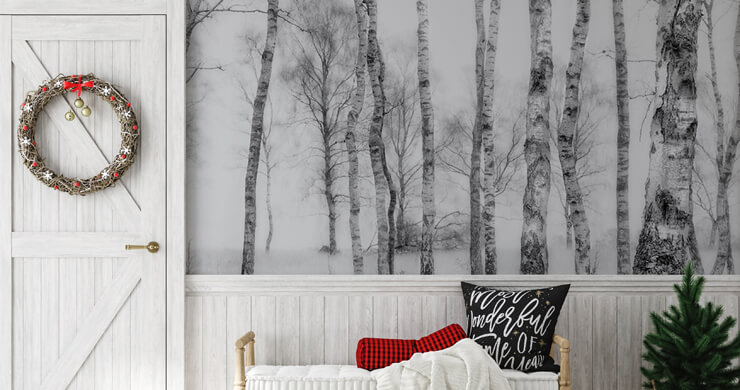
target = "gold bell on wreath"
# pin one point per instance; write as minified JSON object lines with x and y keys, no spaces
{"x":79,"y":103}
{"x":86,"y":111}
{"x":70,"y":116}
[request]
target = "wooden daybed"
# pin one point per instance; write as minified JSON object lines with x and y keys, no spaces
{"x":257,"y":376}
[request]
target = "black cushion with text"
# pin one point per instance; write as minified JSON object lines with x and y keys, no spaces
{"x":515,"y":327}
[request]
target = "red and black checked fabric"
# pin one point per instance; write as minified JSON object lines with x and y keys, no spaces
{"x":374,"y":353}
{"x":441,"y":339}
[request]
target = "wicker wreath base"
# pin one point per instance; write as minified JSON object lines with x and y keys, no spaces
{"x":35,"y":102}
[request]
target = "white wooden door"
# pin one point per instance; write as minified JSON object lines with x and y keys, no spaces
{"x":86,"y":313}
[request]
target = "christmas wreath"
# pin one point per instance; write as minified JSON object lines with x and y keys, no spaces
{"x":34,"y":104}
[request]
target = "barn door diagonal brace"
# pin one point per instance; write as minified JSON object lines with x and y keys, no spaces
{"x":119,"y":195}
{"x":93,"y":328}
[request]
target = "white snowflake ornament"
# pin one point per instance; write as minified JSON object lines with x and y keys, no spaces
{"x":47,"y":175}
{"x":28,"y":107}
{"x":25,"y":142}
{"x":105,"y":174}
{"x":105,"y":91}
{"x":127,"y":114}
{"x":125,"y":151}
{"x":58,"y":84}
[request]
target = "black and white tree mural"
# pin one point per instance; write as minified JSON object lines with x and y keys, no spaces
{"x":476,"y":137}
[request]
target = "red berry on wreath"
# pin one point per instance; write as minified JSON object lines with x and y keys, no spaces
{"x":77,"y":184}
{"x":123,"y":156}
{"x":112,"y":98}
{"x":34,"y":143}
{"x":56,"y":187}
{"x":34,"y":164}
{"x":25,"y":127}
{"x":43,"y":89}
{"x":128,"y":104}
{"x":135,"y":127}
{"x":115,"y":174}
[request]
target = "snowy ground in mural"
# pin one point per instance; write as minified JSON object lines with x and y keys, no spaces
{"x":453,"y":262}
{"x":224,"y":50}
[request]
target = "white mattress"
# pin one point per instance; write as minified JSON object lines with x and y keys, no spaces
{"x":534,"y":381}
{"x":309,"y":378}
{"x":353,"y":378}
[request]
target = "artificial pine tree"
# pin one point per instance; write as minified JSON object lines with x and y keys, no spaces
{"x":689,"y":347}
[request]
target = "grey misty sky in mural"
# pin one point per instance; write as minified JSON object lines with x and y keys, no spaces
{"x":302,"y":189}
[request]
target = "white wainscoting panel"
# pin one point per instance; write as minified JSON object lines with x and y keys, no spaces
{"x":319,"y":319}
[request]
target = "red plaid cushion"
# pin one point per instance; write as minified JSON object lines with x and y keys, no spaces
{"x":441,"y":339}
{"x":374,"y":353}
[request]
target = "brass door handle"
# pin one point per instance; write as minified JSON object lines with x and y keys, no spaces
{"x":152,"y":247}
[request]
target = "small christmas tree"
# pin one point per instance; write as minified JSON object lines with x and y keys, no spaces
{"x":689,"y":347}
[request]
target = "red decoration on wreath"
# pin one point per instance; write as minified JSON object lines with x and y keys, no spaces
{"x":115,"y":174}
{"x":77,"y":87}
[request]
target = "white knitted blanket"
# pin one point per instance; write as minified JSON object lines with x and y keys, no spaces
{"x":464,"y":366}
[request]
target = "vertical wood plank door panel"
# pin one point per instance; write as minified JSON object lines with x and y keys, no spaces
{"x":79,"y":311}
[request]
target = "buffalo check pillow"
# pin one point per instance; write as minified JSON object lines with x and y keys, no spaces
{"x":374,"y":353}
{"x":515,"y":327}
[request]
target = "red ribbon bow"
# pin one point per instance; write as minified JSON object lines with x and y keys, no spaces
{"x":78,"y":85}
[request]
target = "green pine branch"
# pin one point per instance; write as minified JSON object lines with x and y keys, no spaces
{"x":689,"y":347}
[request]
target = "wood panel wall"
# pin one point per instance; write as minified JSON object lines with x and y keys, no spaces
{"x":318,"y":320}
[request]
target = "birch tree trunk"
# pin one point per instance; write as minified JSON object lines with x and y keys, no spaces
{"x":476,"y":262}
{"x":566,"y":151}
{"x":719,"y":127}
{"x":724,"y":251}
{"x":534,"y":258}
{"x":719,"y":123}
{"x":623,"y":140}
{"x":427,"y":141}
{"x":568,"y":229}
{"x":713,"y":233}
{"x":255,"y":139}
{"x":268,"y":165}
{"x":668,"y":238}
{"x":402,"y":238}
{"x":268,"y":200}
{"x":270,"y":222}
{"x":358,"y":100}
{"x":392,"y":193}
{"x":489,"y":152}
{"x":331,"y":204}
{"x":375,"y":142}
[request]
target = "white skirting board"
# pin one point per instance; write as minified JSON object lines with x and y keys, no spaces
{"x":319,"y":319}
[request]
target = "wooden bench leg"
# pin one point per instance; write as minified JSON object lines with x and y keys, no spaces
{"x":244,"y":342}
{"x":564,"y":345}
